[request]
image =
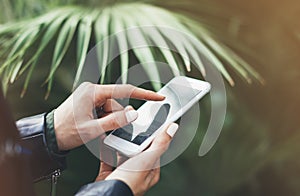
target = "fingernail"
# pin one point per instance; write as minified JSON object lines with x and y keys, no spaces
{"x":172,"y":129}
{"x":131,"y":115}
{"x":128,"y":108}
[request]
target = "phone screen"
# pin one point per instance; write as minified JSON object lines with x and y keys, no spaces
{"x":153,"y":114}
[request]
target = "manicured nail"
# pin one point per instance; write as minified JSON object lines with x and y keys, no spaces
{"x":128,"y":108}
{"x":172,"y":129}
{"x":131,"y":115}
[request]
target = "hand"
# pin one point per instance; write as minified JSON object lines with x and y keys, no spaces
{"x":74,"y":120}
{"x":141,"y":172}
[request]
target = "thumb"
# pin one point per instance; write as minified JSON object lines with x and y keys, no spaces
{"x":117,"y":119}
{"x":162,"y":141}
{"x":147,"y":159}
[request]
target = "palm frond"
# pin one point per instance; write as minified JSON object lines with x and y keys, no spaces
{"x":183,"y":47}
{"x":118,"y":26}
{"x":62,"y":25}
{"x":157,"y":38}
{"x":63,"y":42}
{"x":101,"y":33}
{"x":144,"y":54}
{"x":84,"y":35}
{"x":238,"y":64}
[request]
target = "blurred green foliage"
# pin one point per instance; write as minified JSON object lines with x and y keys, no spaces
{"x":257,"y":152}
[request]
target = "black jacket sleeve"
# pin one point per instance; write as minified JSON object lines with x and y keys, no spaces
{"x":106,"y":188}
{"x":42,"y":163}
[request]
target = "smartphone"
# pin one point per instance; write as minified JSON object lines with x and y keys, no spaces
{"x":153,"y":116}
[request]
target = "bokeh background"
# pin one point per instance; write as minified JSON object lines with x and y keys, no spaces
{"x":257,"y":151}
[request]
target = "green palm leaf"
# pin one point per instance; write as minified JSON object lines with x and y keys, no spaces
{"x":173,"y":21}
{"x":84,"y":34}
{"x":156,"y":37}
{"x":144,"y":54}
{"x":62,"y":25}
{"x":62,"y":44}
{"x":20,"y":46}
{"x":101,"y":35}
{"x":243,"y":68}
{"x":63,"y":41}
{"x":48,"y":36}
{"x":182,"y":46}
{"x":15,"y":57}
{"x":118,"y":25}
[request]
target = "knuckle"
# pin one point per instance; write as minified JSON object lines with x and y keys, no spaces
{"x":86,"y":87}
{"x":161,"y":144}
{"x":85,"y":84}
{"x":129,"y":86}
{"x":114,"y":123}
